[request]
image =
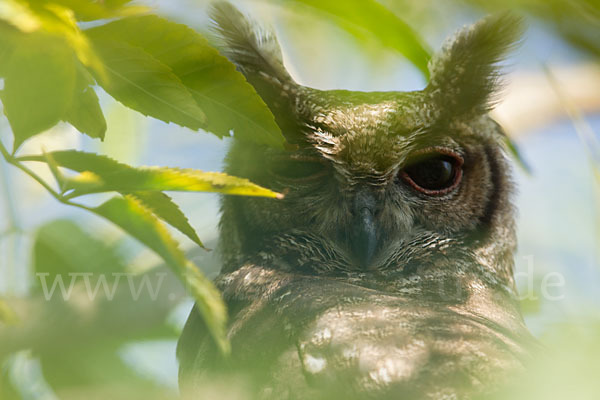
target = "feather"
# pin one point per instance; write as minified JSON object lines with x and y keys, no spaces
{"x":256,"y":53}
{"x":465,"y":75}
{"x":253,"y":48}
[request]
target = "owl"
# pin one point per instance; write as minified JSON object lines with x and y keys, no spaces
{"x":386,"y":272}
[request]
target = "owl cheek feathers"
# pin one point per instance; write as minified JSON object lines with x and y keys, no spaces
{"x":465,"y":74}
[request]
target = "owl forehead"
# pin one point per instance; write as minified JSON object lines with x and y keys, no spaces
{"x":370,"y":135}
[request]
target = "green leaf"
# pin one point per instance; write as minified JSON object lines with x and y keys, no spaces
{"x":229,"y":102}
{"x":143,"y":83}
{"x":85,"y":113}
{"x":62,"y":247}
{"x":371,"y":16}
{"x":61,"y":21}
{"x":135,"y":219}
{"x":163,"y":207}
{"x":53,"y":19}
{"x":103,"y":174}
{"x":8,"y":40}
{"x":39,"y":84}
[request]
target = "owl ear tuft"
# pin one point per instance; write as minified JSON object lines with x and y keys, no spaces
{"x":251,"y":47}
{"x":465,"y":75}
{"x":256,"y":53}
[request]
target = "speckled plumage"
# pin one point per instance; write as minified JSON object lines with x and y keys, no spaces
{"x":433,"y":314}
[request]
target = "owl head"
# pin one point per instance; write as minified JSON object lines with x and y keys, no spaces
{"x":374,"y":181}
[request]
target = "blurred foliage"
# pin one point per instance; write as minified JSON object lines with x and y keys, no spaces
{"x":7,"y":315}
{"x":54,"y":54}
{"x":568,"y":367}
{"x":56,"y":257}
{"x":152,"y":65}
{"x":360,"y":16}
{"x":77,"y":328}
{"x":578,"y":22}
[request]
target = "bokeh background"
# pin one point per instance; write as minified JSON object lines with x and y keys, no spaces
{"x":550,"y":108}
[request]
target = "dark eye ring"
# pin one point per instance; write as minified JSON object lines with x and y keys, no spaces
{"x":434,"y":173}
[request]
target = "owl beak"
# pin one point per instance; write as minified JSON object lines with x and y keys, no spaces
{"x":364,"y":232}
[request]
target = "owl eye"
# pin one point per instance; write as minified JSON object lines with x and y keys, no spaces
{"x":297,"y":170}
{"x":434,"y":174}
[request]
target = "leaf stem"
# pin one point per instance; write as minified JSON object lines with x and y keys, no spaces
{"x":15,"y":162}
